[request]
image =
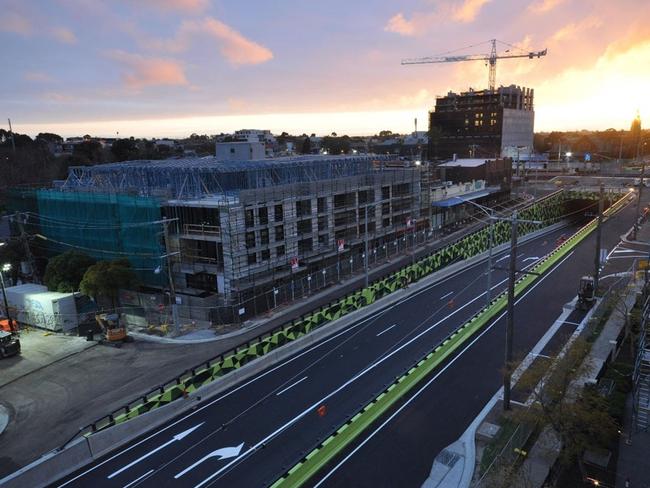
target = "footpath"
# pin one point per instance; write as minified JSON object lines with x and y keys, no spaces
{"x":457,"y":465}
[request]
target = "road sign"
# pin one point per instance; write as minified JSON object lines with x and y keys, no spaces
{"x":587,"y":157}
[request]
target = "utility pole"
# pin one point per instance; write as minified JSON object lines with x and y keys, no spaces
{"x":13,"y":141}
{"x":170,"y":277}
{"x":20,"y":220}
{"x":488,"y":293}
{"x":365,"y":254}
{"x":507,"y":375}
{"x":4,"y":297}
{"x":599,"y":231}
{"x":638,"y":202}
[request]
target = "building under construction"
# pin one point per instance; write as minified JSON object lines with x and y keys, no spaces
{"x":235,"y":238}
{"x":482,"y":124}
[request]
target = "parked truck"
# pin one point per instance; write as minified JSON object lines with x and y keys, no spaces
{"x":34,"y":305}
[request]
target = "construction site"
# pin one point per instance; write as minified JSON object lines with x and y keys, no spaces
{"x":227,"y":240}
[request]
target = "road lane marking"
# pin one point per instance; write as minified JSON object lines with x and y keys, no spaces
{"x":504,"y":257}
{"x":425,"y":289}
{"x":434,"y":378}
{"x":532,"y":258}
{"x":223,"y":453}
{"x":311,"y":408}
{"x":138,"y":479}
{"x":445,"y":296}
{"x":177,"y":437}
{"x":291,"y":386}
{"x":386,"y":330}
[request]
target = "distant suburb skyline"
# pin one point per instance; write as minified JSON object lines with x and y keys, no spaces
{"x":168,"y":68}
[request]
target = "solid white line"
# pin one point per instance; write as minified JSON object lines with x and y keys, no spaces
{"x":138,"y":479}
{"x":428,"y":383}
{"x":445,"y":296}
{"x":629,"y":257}
{"x":386,"y":330}
{"x":291,"y":386}
{"x":306,"y":351}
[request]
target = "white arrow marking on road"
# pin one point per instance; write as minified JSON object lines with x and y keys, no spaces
{"x":177,"y":437}
{"x":223,"y":453}
{"x":532,"y":258}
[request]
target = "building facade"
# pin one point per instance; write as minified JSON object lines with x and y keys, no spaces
{"x":485,"y":123}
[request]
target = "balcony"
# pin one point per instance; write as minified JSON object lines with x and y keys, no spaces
{"x":204,"y":231}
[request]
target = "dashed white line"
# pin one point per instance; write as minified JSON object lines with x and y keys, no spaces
{"x":386,"y":330}
{"x":138,"y":479}
{"x":291,"y":386}
{"x":445,"y":296}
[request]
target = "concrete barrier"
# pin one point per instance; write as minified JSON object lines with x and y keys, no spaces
{"x":52,"y":466}
{"x":83,"y":451}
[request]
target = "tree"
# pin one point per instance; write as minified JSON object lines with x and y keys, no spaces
{"x":125,"y":149}
{"x":385,"y":133}
{"x":306,"y":146}
{"x":103,"y":280}
{"x":48,"y":137}
{"x":88,"y":151}
{"x":336,"y":145}
{"x":579,"y":416}
{"x":65,"y":271}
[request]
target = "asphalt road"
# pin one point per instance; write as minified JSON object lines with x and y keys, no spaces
{"x":399,"y":451}
{"x":250,"y":434}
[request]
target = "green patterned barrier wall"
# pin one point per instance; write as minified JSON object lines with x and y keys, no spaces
{"x":334,"y":444}
{"x":548,"y":211}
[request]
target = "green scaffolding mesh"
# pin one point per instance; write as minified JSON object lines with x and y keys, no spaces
{"x":107,"y":227}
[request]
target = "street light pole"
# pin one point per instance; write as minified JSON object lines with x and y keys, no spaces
{"x":4,"y":268}
{"x":510,"y":317}
{"x":598,"y":238}
{"x":365,"y":228}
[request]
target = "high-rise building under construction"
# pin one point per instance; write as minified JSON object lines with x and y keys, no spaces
{"x":484,"y":123}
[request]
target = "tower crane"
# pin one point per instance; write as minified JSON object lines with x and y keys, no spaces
{"x":490,"y":59}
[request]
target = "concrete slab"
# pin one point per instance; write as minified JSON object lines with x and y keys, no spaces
{"x":39,"y":349}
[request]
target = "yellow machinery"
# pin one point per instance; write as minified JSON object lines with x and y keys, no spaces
{"x":110,"y":324}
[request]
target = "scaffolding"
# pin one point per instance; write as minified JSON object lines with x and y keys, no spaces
{"x":192,"y":178}
{"x":641,"y":377}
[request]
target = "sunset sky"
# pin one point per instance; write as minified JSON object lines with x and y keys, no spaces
{"x":172,"y":67}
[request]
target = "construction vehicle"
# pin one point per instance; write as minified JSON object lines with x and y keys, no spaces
{"x":9,"y":344}
{"x":114,"y":332}
{"x":8,"y":325}
{"x":586,"y":293}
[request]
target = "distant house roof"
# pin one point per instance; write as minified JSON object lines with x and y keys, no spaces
{"x":450,"y":202}
{"x":466,"y":163}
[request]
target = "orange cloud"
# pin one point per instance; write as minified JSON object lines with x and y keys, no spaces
{"x":142,"y":71}
{"x":63,"y":35}
{"x":399,"y":25}
{"x":236,"y":48}
{"x":468,"y":11}
{"x":571,"y":30}
{"x":544,"y":6}
{"x":421,"y":22}
{"x":187,"y":6}
{"x":15,"y":23}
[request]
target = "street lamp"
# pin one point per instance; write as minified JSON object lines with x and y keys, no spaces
{"x":490,"y":213}
{"x":5,"y":267}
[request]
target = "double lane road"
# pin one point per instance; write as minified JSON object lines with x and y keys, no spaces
{"x":250,"y":434}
